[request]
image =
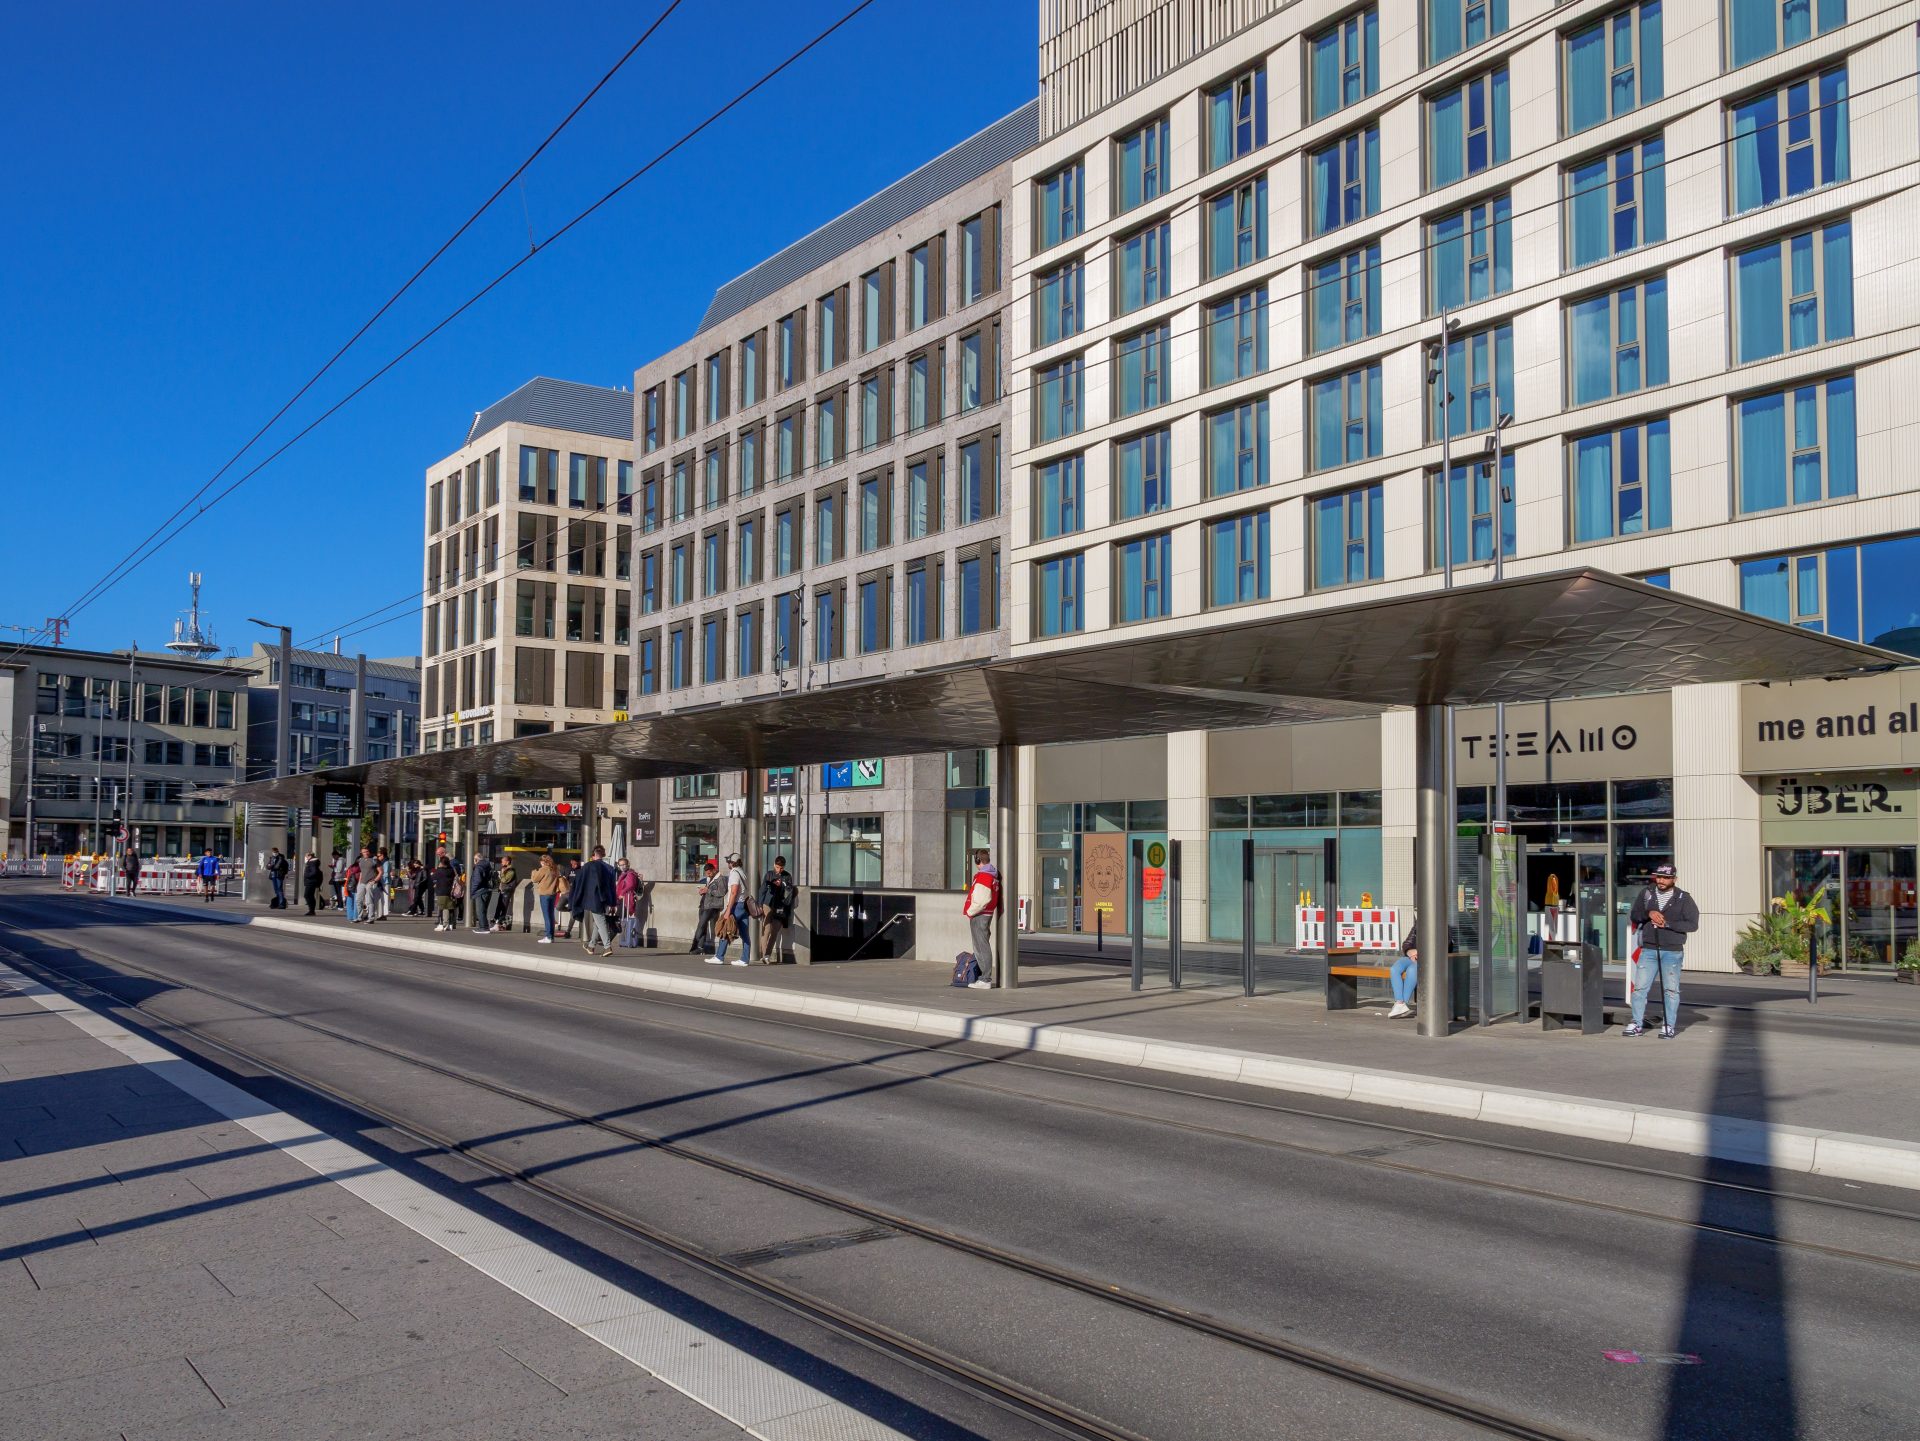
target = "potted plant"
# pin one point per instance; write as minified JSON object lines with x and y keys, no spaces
{"x":1801,"y":916}
{"x":1767,"y":944}
{"x":1906,"y":965}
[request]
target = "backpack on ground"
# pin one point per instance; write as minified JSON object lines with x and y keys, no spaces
{"x":966,"y":970}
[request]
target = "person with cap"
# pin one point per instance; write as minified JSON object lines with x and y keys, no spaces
{"x":778,"y":895}
{"x":1663,"y":916}
{"x":731,"y":923}
{"x":713,"y":892}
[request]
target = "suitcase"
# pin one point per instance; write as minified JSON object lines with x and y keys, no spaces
{"x":630,"y":933}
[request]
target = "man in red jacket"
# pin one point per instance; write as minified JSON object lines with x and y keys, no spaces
{"x":980,"y":907}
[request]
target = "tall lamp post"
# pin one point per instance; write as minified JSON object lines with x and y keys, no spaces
{"x":1435,"y":872}
{"x":1503,"y":497}
{"x":283,"y":720}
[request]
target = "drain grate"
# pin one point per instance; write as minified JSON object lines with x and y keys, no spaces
{"x":807,"y":1245}
{"x":1375,"y":1152}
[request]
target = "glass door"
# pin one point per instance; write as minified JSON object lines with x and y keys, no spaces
{"x":1284,"y":878}
{"x":1879,"y":917}
{"x":1056,"y":892}
{"x":1595,"y":899}
{"x":1810,"y":873}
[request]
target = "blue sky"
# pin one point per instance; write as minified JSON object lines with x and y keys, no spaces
{"x":204,"y":200}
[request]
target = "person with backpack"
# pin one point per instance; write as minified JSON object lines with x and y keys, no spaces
{"x":310,"y":875}
{"x":277,"y":869}
{"x":130,"y":868}
{"x":1663,"y":916}
{"x":209,"y":874}
{"x":445,"y":881}
{"x":570,"y":879}
{"x":626,"y":895}
{"x":980,"y":907}
{"x":480,"y":883}
{"x":508,"y":879}
{"x":778,"y":896}
{"x":593,"y":895}
{"x":731,"y":922}
{"x":547,"y":885}
{"x":713,"y":895}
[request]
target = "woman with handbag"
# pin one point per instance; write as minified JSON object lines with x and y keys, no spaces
{"x":731,"y":923}
{"x":547,"y":885}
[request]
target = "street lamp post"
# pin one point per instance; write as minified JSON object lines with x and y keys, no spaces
{"x":1435,"y":908}
{"x":133,"y":691}
{"x":1503,"y":497}
{"x":283,"y":721}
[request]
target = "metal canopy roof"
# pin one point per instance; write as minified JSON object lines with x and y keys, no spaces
{"x":1545,"y":637}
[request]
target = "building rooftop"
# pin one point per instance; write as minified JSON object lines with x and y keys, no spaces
{"x":23,"y":657}
{"x":403,"y":667}
{"x":1007,"y":137}
{"x":560,"y":405}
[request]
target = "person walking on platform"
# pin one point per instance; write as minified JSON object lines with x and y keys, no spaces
{"x":337,"y":880}
{"x":506,"y":878}
{"x":1663,"y":916}
{"x":731,"y":922}
{"x":980,"y":907}
{"x":778,"y":896}
{"x":444,"y":880}
{"x":480,"y":883}
{"x":547,"y":885}
{"x":130,"y":869}
{"x":209,"y":874}
{"x":310,"y":874}
{"x":593,"y":896}
{"x":713,"y":895}
{"x":571,"y":879}
{"x":277,"y":869}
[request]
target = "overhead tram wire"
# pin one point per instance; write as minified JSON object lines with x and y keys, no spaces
{"x":659,"y":158}
{"x":87,"y":596}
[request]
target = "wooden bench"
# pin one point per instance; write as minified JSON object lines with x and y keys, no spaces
{"x":1343,"y":974}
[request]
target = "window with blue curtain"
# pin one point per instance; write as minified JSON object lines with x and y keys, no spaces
{"x":1343,"y":299}
{"x":1613,"y":66}
{"x":1140,"y":163}
{"x":1236,"y":113}
{"x":1793,"y":292}
{"x":1343,"y":63}
{"x":1141,"y":267}
{"x":1236,"y":336}
{"x":1790,"y":140}
{"x":1474,"y":505}
{"x":1467,"y":129}
{"x":1349,"y":537}
{"x":1622,"y":481}
{"x":1142,"y":363}
{"x":1478,"y":375}
{"x":1759,"y":28}
{"x":1456,"y":25}
{"x":1237,"y":448}
{"x":1237,"y":227}
{"x":1057,"y":490}
{"x":1617,"y":342}
{"x":1056,"y":203}
{"x":1889,"y":606}
{"x":1470,"y":254}
{"x":1343,"y":418}
{"x":1058,"y":585}
{"x":1059,"y":302}
{"x":1238,"y":570}
{"x":1795,"y":446}
{"x":1057,"y":399}
{"x":1856,"y":592}
{"x":1344,"y":180}
{"x":1141,"y":474}
{"x":1146,"y":571}
{"x":1616,"y":202}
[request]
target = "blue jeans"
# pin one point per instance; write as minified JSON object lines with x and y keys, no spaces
{"x":1404,"y":976}
{"x":279,"y":890}
{"x":353,"y":904}
{"x":1667,"y":962}
{"x":546,"y":913}
{"x":740,"y":923}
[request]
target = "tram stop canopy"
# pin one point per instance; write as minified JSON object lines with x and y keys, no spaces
{"x":1556,"y":636}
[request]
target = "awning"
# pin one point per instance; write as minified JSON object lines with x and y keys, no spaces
{"x":1545,"y":637}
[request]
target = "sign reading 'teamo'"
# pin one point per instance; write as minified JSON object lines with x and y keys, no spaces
{"x":1838,"y":725}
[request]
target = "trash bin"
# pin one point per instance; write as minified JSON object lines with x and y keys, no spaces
{"x":1572,"y":987}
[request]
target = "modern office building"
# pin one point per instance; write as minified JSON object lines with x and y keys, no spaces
{"x":1278,"y":272}
{"x":821,"y":500}
{"x":93,"y":732}
{"x":527,"y":597}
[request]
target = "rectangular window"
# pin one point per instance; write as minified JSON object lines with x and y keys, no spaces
{"x":623,"y":487}
{"x":750,"y":349}
{"x":1057,"y":488}
{"x":650,"y":412}
{"x":1759,"y":28}
{"x":832,"y":338}
{"x":1795,"y":447}
{"x":1343,"y":63}
{"x":826,"y":529}
{"x":1862,"y":592}
{"x":1344,"y":180}
{"x":851,"y":852}
{"x":826,"y":625}
{"x":1617,"y":342}
{"x":1059,"y":302}
{"x":924,"y":505}
{"x":650,"y":664}
{"x":649,"y":583}
{"x":979,"y":479}
{"x":1616,"y":202}
{"x":1456,"y":25}
{"x":713,"y":478}
{"x":826,"y":428}
{"x":979,"y":256}
{"x":717,"y":387}
{"x":746,"y":642}
{"x":790,"y":338}
{"x":876,"y":524}
{"x":787,"y":649}
{"x":1612,"y":66}
{"x":786,"y":541}
{"x":1142,"y":360}
{"x":979,"y":580}
{"x":1343,"y":299}
{"x":1237,"y":448}
{"x":1479,"y":383}
{"x":1141,"y":267}
{"x":925,"y":283}
{"x":1788,"y":141}
{"x":1475,"y":500}
{"x":749,"y":449}
{"x":923,"y":601}
{"x":786,"y":444}
{"x":1793,"y":292}
{"x":683,"y":384}
{"x":1140,"y":165}
{"x":1622,"y":482}
{"x":876,"y":614}
{"x":1343,"y":416}
{"x":1058,"y":586}
{"x":1470,"y":254}
{"x":979,"y":366}
{"x":1140,"y":473}
{"x":1349,"y":537}
{"x":1236,"y":337}
{"x":747,"y":549}
{"x":875,"y":422}
{"x":1146,"y":569}
{"x":1467,"y":129}
{"x":1056,"y":205}
{"x":1236,"y":117}
{"x":1237,"y":227}
{"x":713,"y":563}
{"x":1237,"y":564}
{"x":680,"y":568}
{"x":713,"y":650}
{"x":679,"y":658}
{"x":1057,"y":399}
{"x":682,"y":487}
{"x":876,"y":307}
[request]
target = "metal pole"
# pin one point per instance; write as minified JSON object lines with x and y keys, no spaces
{"x":1136,"y":913}
{"x":467,"y":851}
{"x":34,"y":727}
{"x":127,"y":789}
{"x":1430,"y":870}
{"x":1499,"y":574}
{"x":1485,"y":937}
{"x":357,"y":743}
{"x":751,"y":863}
{"x":1246,"y":915}
{"x":1006,"y":771}
{"x":1173,"y":914}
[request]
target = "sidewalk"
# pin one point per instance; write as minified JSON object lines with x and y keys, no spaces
{"x":1826,"y":1093}
{"x":180,"y":1262}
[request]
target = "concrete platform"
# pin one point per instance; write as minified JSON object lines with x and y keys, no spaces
{"x":1756,"y":1075}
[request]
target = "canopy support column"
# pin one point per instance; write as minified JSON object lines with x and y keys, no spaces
{"x":1431,"y":892}
{"x":470,"y":847}
{"x":750,"y":864}
{"x":589,"y":811}
{"x":1006,"y":771}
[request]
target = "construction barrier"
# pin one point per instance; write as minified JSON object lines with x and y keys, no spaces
{"x":1374,"y":929}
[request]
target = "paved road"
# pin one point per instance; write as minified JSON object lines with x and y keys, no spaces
{"x":1450,"y":1257}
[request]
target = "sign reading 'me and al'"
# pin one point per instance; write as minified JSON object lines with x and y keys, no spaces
{"x":1831,"y":725}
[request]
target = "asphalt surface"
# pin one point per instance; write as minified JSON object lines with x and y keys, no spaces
{"x":1458,"y":1259}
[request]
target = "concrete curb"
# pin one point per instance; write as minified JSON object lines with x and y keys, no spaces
{"x":1870,"y":1159}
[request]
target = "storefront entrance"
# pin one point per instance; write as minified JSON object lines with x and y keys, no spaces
{"x":1868,"y":890}
{"x":1284,"y":877}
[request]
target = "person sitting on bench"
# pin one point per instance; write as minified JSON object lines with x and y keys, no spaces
{"x":1404,"y":975}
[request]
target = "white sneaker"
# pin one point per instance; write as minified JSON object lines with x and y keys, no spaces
{"x":736,"y":961}
{"x":979,"y":985}
{"x":1400,"y":1008}
{"x":713,"y":960}
{"x":544,"y":941}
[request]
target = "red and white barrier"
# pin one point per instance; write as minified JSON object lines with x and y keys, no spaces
{"x":1371,"y":929}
